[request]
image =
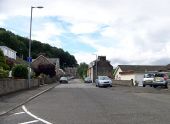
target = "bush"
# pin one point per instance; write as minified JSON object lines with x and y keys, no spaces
{"x":3,"y":61}
{"x":20,"y":71}
{"x":4,"y":66}
{"x":10,"y":62}
{"x":3,"y":73}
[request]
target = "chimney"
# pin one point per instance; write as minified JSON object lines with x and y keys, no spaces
{"x":102,"y":58}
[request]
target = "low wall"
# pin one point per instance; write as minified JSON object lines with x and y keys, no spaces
{"x":13,"y":85}
{"x":49,"y":80}
{"x":122,"y":82}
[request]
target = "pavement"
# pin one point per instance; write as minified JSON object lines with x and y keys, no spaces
{"x":12,"y":101}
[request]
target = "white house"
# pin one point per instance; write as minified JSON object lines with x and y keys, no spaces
{"x":135,"y":72}
{"x":8,"y":52}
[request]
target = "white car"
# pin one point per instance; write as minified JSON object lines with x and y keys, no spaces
{"x":64,"y":80}
{"x":103,"y":81}
{"x":148,"y":79}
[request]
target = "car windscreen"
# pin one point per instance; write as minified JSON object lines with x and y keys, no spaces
{"x":87,"y":78}
{"x":159,"y":75}
{"x":63,"y":78}
{"x":103,"y":78}
{"x":149,"y":75}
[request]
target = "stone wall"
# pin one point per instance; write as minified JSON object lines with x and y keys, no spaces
{"x":13,"y":85}
{"x":122,"y":82}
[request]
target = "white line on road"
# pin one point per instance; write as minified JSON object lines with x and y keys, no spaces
{"x":34,"y":116}
{"x":29,"y":122}
{"x":18,"y":113}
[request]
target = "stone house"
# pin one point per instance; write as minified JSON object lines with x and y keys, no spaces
{"x":71,"y":71}
{"x":44,"y":60}
{"x":100,"y":67}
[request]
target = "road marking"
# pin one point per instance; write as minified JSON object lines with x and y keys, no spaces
{"x":18,"y":113}
{"x":29,"y":122}
{"x":34,"y":116}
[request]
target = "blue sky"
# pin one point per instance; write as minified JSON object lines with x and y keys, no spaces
{"x":126,"y":31}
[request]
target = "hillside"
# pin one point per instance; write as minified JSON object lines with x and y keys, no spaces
{"x":20,"y":44}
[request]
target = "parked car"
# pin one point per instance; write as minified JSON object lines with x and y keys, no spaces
{"x":148,"y":79}
{"x":161,"y":79}
{"x":63,"y":80}
{"x":103,"y":81}
{"x":87,"y":80}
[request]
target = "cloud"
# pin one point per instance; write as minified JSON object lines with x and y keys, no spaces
{"x":84,"y":57}
{"x":2,"y":19}
{"x":83,"y":28}
{"x":126,"y":31}
{"x":48,"y":33}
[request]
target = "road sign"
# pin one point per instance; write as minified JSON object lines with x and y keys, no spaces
{"x":29,"y":59}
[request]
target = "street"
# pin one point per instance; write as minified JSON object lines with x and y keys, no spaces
{"x":79,"y":103}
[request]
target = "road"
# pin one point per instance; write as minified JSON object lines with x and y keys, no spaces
{"x":79,"y":103}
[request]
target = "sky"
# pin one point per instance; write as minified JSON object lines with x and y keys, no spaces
{"x":134,"y":32}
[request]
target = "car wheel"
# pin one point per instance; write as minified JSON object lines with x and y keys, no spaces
{"x":110,"y":85}
{"x":154,"y":86}
{"x":166,"y":85}
{"x":143,"y":85}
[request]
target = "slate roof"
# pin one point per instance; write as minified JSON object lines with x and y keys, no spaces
{"x":40,"y":60}
{"x":141,"y":68}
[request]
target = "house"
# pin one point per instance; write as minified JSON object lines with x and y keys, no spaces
{"x":71,"y":71}
{"x":135,"y":72}
{"x":44,"y":60}
{"x":8,"y":52}
{"x":101,"y":66}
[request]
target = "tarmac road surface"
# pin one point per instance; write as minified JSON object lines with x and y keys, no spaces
{"x":79,"y":103}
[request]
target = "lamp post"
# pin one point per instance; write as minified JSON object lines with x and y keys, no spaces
{"x":29,"y":51}
{"x":96,"y":64}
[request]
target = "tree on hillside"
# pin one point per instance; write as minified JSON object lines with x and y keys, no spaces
{"x":21,"y":45}
{"x":3,"y":61}
{"x":82,"y":70}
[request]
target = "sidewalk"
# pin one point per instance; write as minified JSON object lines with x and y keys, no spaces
{"x":10,"y":101}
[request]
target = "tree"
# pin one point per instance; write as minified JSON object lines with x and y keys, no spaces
{"x":10,"y":62}
{"x":82,"y":70}
{"x":21,"y":45}
{"x":3,"y":61}
{"x":47,"y":69}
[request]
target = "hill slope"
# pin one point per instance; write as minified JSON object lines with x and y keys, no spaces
{"x":21,"y":45}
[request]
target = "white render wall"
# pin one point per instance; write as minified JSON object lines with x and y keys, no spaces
{"x":124,"y":76}
{"x":139,"y":78}
{"x":117,"y":75}
{"x":8,"y":52}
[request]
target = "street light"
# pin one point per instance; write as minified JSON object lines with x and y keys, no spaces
{"x":96,"y":64}
{"x":29,"y":51}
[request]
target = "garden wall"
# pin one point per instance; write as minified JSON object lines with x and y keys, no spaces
{"x":122,"y":82}
{"x":13,"y":85}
